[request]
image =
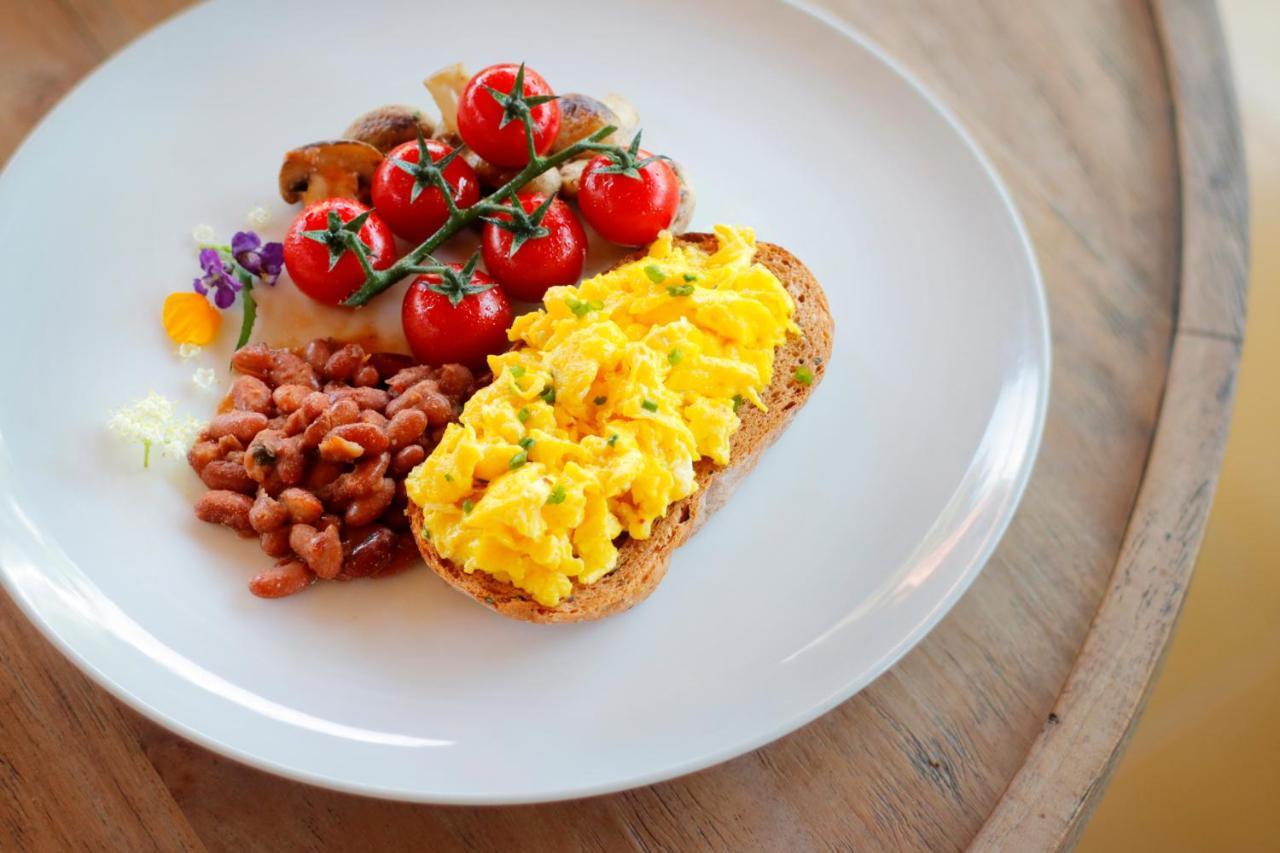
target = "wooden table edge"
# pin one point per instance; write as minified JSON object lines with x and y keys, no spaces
{"x":1048,"y":801}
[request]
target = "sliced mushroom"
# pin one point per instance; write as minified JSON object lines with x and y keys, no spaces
{"x":341,"y":168}
{"x":386,"y":127}
{"x":581,"y":116}
{"x":684,"y":213}
{"x":571,"y":176}
{"x":491,"y":177}
{"x":446,"y":87}
{"x":628,"y":118}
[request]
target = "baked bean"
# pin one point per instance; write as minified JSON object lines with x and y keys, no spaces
{"x":454,"y":379}
{"x":250,"y":394}
{"x":335,"y":448}
{"x":296,"y":423}
{"x":291,"y":464}
{"x":362,"y":480}
{"x":301,"y":506}
{"x":230,"y":509}
{"x":275,"y":543}
{"x":411,"y":397}
{"x":365,"y":398}
{"x":284,"y":578}
{"x":317,"y":353}
{"x":262,"y":454}
{"x":320,"y":550}
{"x":329,"y":520}
{"x":339,"y":413}
{"x":315,"y":404}
{"x":290,"y":369}
{"x":405,"y":427}
{"x":288,"y":398}
{"x":372,"y":439}
{"x":202,"y":453}
{"x":229,"y":475}
{"x":243,"y":425}
{"x":378,"y":419}
{"x":366,"y":509}
{"x":390,"y":363}
{"x":267,"y":513}
{"x":366,"y":377}
{"x":408,"y":377}
{"x":437,"y":407}
{"x":406,"y":459}
{"x":370,"y":553}
{"x":395,"y":516}
{"x":343,"y":364}
{"x":322,"y":473}
{"x":229,"y":444}
{"x":254,"y":359}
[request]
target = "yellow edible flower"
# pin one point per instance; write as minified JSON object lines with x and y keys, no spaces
{"x":190,"y":319}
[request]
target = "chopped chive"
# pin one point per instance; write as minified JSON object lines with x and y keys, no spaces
{"x":649,"y":406}
{"x":526,"y":442}
{"x":467,"y":506}
{"x":679,"y":289}
{"x":518,"y":460}
{"x":675,"y":356}
{"x":448,"y":478}
{"x":737,"y":403}
{"x":656,"y":274}
{"x":557,"y":495}
{"x":613,"y":439}
{"x":523,"y":415}
{"x":549,"y":394}
{"x":803,"y":375}
{"x":517,"y":370}
{"x":600,"y":401}
{"x":689,"y":277}
{"x":578,"y":308}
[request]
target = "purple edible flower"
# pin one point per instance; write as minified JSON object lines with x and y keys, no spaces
{"x":216,"y":278}
{"x":264,"y":261}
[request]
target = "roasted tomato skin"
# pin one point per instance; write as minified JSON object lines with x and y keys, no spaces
{"x":307,"y":261}
{"x":440,"y":332}
{"x":625,"y":210}
{"x":539,"y":263}
{"x":479,"y":116}
{"x":416,"y":220}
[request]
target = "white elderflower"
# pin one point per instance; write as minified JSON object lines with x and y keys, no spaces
{"x":203,"y":234}
{"x":152,"y":422}
{"x":258,"y":217}
{"x":205,"y":378}
{"x":186,"y":352}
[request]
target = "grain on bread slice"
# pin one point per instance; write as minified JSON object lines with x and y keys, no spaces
{"x":643,"y":563}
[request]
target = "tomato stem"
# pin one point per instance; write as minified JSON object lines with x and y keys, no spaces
{"x":377,"y":281}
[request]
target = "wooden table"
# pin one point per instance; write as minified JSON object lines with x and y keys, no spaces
{"x":1113,"y":123}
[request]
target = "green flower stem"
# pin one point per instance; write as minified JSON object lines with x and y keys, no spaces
{"x":377,"y":281}
{"x":250,"y":315}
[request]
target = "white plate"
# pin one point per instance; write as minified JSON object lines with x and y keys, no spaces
{"x":859,"y":530}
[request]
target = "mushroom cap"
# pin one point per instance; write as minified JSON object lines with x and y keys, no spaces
{"x":580,"y":116}
{"x":341,"y":168}
{"x":386,"y":127}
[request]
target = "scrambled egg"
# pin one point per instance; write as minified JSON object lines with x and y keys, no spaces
{"x":591,"y":428}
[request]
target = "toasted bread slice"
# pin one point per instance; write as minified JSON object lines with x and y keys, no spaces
{"x":643,"y":563}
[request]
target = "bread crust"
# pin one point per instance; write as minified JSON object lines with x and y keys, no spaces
{"x":643,"y":563}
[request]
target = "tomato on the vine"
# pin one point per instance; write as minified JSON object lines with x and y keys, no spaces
{"x":629,"y":196}
{"x":406,"y":194}
{"x":492,"y":110}
{"x":318,"y":249}
{"x":459,"y":316}
{"x":549,"y":245}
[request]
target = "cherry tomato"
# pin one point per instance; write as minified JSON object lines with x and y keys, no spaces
{"x":416,"y":219}
{"x":480,"y":115}
{"x":540,"y":262}
{"x":308,"y":260}
{"x":625,"y":210}
{"x":459,"y":318}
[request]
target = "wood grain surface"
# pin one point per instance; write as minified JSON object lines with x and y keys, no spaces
{"x":1111,"y":122}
